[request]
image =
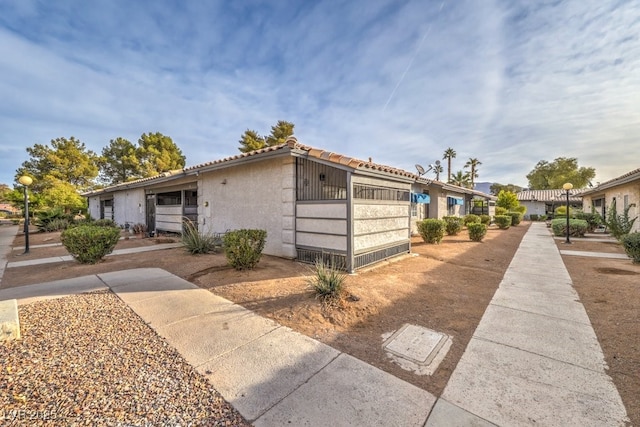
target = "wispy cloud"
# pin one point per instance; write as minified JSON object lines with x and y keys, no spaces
{"x":509,"y":83}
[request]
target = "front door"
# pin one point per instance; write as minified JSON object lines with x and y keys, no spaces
{"x":151,"y":213}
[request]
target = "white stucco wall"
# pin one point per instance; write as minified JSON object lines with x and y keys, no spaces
{"x":535,"y":208}
{"x":254,"y":195}
{"x":94,"y":206}
{"x":129,"y":207}
{"x":322,"y":225}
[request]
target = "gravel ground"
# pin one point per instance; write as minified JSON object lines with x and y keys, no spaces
{"x":89,"y":360}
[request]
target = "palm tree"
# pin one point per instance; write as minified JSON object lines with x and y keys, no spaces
{"x":473,"y":173}
{"x":461,"y":179}
{"x":438,"y":169}
{"x":449,"y":154}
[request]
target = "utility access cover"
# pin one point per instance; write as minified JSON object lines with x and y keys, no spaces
{"x":417,"y":349}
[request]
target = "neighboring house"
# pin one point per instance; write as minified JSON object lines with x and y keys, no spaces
{"x":8,"y":209}
{"x":311,"y":202}
{"x":435,"y":199}
{"x":544,"y":202}
{"x":625,"y":190}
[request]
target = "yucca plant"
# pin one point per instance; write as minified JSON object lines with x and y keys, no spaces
{"x":195,"y":241}
{"x":328,"y":279}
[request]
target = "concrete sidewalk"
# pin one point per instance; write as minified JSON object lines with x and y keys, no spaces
{"x":534,"y":358}
{"x":272,"y":375}
{"x":7,"y":234}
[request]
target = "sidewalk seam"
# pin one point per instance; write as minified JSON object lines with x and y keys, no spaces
{"x":297,"y":388}
{"x":542,"y":314}
{"x":604,"y":365}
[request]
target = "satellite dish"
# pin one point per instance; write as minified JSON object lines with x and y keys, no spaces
{"x":420,"y":169}
{"x":437,"y":162}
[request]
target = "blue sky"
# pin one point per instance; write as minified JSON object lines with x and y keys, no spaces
{"x":507,"y":82}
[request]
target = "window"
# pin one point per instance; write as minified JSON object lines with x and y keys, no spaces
{"x":626,"y":201}
{"x":170,"y":198}
{"x":369,"y":192}
{"x":414,"y":210}
{"x":316,"y":181}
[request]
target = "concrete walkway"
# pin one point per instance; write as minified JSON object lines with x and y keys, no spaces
{"x":7,"y":235}
{"x":533,"y":360}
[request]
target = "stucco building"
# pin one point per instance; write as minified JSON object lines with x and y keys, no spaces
{"x":311,"y":202}
{"x":624,"y":190}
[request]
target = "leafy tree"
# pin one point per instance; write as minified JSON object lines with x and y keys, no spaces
{"x":496,"y":188}
{"x":4,"y":190}
{"x":158,"y":153}
{"x":549,"y":176}
{"x":279,"y":133}
{"x":66,"y":160}
{"x":507,"y":200}
{"x":461,"y":179}
{"x":473,"y":164}
{"x":119,"y":162}
{"x":449,"y":154}
{"x":63,"y":195}
{"x":251,"y":140}
{"x":16,"y":198}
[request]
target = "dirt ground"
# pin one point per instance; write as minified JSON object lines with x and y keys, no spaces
{"x":444,"y":287}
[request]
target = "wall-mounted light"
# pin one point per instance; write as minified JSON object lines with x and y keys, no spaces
{"x":322,"y":177}
{"x":206,"y":204}
{"x":224,"y":181}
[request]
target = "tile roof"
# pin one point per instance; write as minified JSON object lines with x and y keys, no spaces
{"x":554,"y":195}
{"x":634,"y":175}
{"x":291,"y":145}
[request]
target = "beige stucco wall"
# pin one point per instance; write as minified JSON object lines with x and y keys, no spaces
{"x":253,"y":195}
{"x":631,"y":190}
{"x":379,"y":223}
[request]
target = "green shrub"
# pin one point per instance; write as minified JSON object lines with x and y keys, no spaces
{"x":631,"y":244}
{"x":516,"y":217}
{"x":89,"y":243}
{"x":43,"y":220}
{"x":56,"y":224}
{"x":139,"y":228}
{"x":328,"y":279}
{"x":431,"y":230}
{"x":477,"y":231}
{"x":593,"y":219}
{"x":619,"y":225}
{"x":534,"y":217}
{"x":561,"y":212}
{"x":105,"y":222}
{"x":577,"y":227}
{"x":542,"y":218}
{"x":452,"y":225}
{"x":194,"y":241}
{"x":503,"y":221}
{"x":243,"y":248}
{"x":471,"y":219}
{"x":485,"y":219}
{"x":520,"y":208}
{"x":501,"y":211}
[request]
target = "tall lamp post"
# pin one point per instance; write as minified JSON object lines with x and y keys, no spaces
{"x":26,"y":182}
{"x":567,"y":187}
